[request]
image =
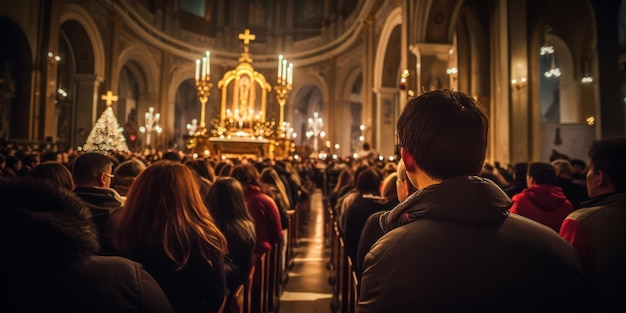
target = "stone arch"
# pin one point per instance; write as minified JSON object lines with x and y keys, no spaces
{"x":140,"y":56}
{"x":387,"y":73}
{"x":181,"y":76}
{"x":394,"y":19}
{"x":353,"y":97}
{"x":310,"y":100}
{"x":296,"y":111}
{"x":77,"y":13}
{"x":136,"y":83}
{"x":85,"y":41}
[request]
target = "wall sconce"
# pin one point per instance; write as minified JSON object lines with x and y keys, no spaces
{"x":590,"y":120}
{"x":403,"y":83}
{"x":53,"y":58}
{"x":519,"y":84}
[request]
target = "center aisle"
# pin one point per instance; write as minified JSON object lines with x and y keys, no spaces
{"x":307,"y":290}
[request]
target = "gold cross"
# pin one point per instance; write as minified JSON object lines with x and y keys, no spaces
{"x":246,"y":36}
{"x":109,"y":98}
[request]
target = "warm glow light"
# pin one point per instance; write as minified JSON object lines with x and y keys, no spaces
{"x":591,"y":120}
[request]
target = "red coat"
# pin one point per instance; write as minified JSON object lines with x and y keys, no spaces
{"x":266,"y":219}
{"x":543,"y":203}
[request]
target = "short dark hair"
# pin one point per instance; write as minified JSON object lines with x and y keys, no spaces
{"x":578,"y":162}
{"x":446,"y":133}
{"x":608,"y":156}
{"x":88,"y":167}
{"x":368,"y":181}
{"x":542,"y":172}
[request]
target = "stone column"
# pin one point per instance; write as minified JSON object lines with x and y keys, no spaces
{"x":520,"y":142}
{"x":85,"y":107}
{"x":387,"y":111}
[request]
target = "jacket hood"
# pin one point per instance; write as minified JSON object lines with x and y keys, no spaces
{"x":465,"y":199}
{"x":46,"y":226}
{"x":545,"y":196}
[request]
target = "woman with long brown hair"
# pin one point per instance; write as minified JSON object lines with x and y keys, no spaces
{"x":226,"y":203}
{"x":166,"y":226}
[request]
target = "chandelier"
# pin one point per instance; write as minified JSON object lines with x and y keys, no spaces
{"x":548,"y":49}
{"x":554,"y":71}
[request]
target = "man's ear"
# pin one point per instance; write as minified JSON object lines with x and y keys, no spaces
{"x":604,"y":180}
{"x":407,"y":158}
{"x":101,"y":179}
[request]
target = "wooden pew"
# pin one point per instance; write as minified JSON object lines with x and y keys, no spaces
{"x":247,"y":298}
{"x":259,"y":285}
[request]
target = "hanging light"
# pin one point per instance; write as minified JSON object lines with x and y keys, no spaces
{"x":547,"y":47}
{"x":587,"y":79}
{"x":553,"y":71}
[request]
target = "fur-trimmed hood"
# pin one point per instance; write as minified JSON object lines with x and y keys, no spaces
{"x":45,"y":225}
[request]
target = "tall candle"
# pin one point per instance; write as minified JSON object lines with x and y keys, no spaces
{"x":197,"y":69}
{"x":203,"y":68}
{"x":290,"y":74}
{"x":280,"y":63}
{"x":208,"y":63}
{"x":284,"y":68}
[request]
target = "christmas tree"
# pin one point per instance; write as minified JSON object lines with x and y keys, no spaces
{"x":105,"y":135}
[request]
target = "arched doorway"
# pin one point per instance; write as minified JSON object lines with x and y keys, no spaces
{"x":15,"y":78}
{"x":309,"y":100}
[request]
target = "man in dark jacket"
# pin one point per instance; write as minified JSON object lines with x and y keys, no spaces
{"x":451,"y":246}
{"x":50,"y":244}
{"x":598,"y":229}
{"x":92,"y":174}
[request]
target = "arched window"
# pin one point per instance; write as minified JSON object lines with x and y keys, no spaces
{"x":195,"y":7}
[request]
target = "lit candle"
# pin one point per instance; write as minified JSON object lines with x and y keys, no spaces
{"x":284,"y":68}
{"x":208,"y":63}
{"x":197,"y":69}
{"x":203,"y":68}
{"x":280,"y":64}
{"x":290,"y":74}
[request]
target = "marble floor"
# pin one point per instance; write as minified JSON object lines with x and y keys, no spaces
{"x":307,"y":289}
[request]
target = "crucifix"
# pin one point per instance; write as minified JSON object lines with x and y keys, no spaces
{"x":109,"y":98}
{"x":247,"y":37}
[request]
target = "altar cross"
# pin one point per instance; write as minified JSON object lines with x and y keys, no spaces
{"x":247,"y":36}
{"x":109,"y":98}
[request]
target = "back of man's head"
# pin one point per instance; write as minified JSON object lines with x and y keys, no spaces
{"x":542,"y":173}
{"x":563,"y":168}
{"x":608,"y":156}
{"x":445,"y":132}
{"x":368,"y":181}
{"x":88,"y":167}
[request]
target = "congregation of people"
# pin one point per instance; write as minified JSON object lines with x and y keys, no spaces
{"x":123,"y":232}
{"x":438,"y":229}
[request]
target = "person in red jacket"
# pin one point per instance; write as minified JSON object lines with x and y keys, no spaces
{"x":542,"y":201}
{"x":598,"y":229}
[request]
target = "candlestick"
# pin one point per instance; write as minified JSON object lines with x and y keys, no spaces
{"x":290,"y":74}
{"x":203,"y":85}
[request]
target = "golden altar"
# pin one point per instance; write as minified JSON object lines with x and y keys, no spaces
{"x":242,"y":130}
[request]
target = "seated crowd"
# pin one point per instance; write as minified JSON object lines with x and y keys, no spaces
{"x":121,"y":233}
{"x":439,"y":229}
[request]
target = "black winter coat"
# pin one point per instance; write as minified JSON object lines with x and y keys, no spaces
{"x":49,"y":245}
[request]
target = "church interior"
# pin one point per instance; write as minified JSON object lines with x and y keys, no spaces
{"x":278,"y":78}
